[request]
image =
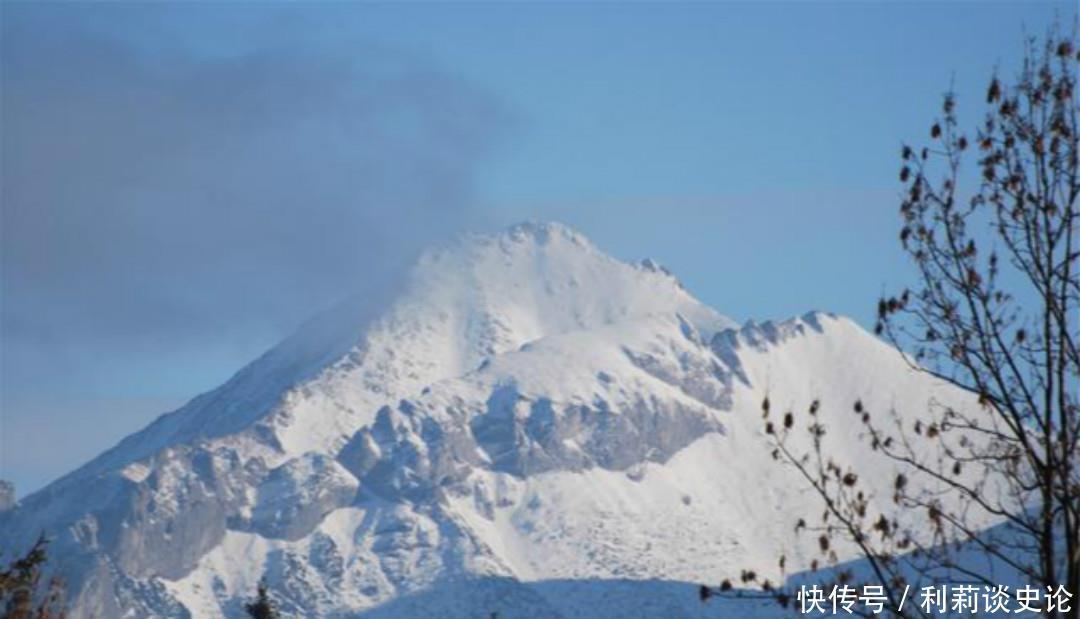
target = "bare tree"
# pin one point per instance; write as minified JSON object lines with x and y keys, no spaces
{"x":995,"y":310}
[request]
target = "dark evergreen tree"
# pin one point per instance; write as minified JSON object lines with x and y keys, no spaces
{"x":22,"y":595}
{"x":263,"y":607}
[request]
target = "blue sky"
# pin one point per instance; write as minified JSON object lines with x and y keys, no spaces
{"x":220,"y":164}
{"x":751,"y":147}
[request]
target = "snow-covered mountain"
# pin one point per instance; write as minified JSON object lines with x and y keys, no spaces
{"x":525,"y":427}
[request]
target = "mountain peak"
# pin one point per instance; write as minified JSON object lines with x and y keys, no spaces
{"x":553,"y":277}
{"x":464,"y":302}
{"x":522,"y":406}
{"x":544,"y":231}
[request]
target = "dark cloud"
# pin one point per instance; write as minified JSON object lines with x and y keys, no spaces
{"x":150,"y":196}
{"x":158,"y":199}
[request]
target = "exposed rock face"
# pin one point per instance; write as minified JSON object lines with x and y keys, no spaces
{"x":294,"y":497}
{"x":525,"y":409}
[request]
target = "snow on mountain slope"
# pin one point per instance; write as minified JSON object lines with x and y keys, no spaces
{"x":525,"y":426}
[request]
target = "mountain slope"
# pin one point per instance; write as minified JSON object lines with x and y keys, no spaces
{"x":522,"y":419}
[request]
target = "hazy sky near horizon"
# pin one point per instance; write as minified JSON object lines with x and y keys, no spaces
{"x":184,"y":184}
